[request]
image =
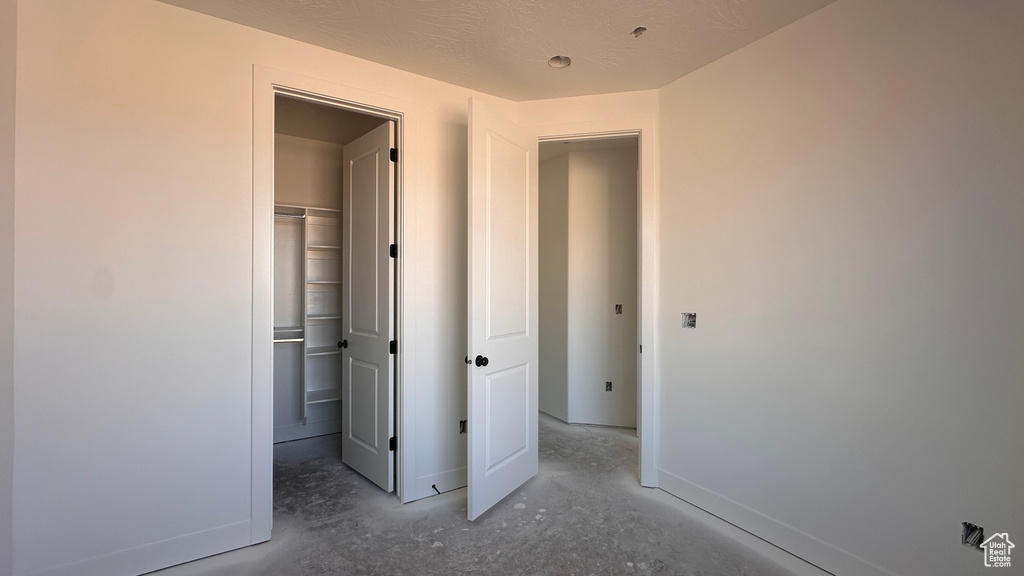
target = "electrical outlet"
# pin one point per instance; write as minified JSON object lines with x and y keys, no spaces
{"x":689,"y":319}
{"x":971,"y":535}
{"x":607,"y":386}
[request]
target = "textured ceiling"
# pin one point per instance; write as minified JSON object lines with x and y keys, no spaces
{"x":501,"y":47}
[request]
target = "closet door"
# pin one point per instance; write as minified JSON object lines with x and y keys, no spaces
{"x":367,"y":309}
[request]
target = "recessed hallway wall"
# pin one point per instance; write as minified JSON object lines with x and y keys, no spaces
{"x":588,"y":283}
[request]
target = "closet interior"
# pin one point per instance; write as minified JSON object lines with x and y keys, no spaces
{"x":308,"y":243}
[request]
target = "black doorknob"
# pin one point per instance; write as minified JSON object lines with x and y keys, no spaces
{"x":343,"y":344}
{"x":481,"y":360}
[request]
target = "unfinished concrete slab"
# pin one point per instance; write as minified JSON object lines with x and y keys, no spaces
{"x":583,"y":514}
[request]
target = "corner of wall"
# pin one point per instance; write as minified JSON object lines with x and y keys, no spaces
{"x":553,"y":226}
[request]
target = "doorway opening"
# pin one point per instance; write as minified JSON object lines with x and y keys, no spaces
{"x":589,"y":285}
{"x":334,"y":286}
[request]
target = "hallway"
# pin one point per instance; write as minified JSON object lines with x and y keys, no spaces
{"x":584,"y":513}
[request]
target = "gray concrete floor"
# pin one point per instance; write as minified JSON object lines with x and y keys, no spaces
{"x":584,"y":514}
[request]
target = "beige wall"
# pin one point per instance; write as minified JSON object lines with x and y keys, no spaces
{"x":588,"y":265}
{"x":8,"y":66}
{"x":553,"y":339}
{"x":573,"y":112}
{"x":842,"y":208}
{"x":133,"y":267}
{"x":307,"y":172}
{"x":602,"y":272}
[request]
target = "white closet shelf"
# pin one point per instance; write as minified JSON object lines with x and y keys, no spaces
{"x":322,"y":247}
{"x":323,"y":351}
{"x":323,"y":282}
{"x":323,"y":317}
{"x":295,"y":207}
{"x":318,"y":396}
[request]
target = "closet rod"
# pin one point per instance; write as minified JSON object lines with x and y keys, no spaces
{"x":289,"y":340}
{"x":280,"y":215}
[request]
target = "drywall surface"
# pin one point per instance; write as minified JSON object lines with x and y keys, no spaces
{"x":553,"y":387}
{"x":842,"y":209}
{"x":551,"y":113}
{"x":133,"y":262}
{"x":588,"y":264}
{"x":8,"y":76}
{"x":319,"y":122}
{"x":307,"y":172}
{"x":602,"y":272}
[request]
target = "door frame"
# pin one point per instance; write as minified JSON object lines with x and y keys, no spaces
{"x":648,"y":377}
{"x":268,"y":83}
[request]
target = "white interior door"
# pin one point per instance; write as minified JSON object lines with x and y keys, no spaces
{"x":367,"y":312}
{"x":502,"y":308}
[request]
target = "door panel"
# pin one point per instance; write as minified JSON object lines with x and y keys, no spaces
{"x":364,"y":257}
{"x":367,"y":312}
{"x":507,"y":236}
{"x":363,"y":392}
{"x":502,"y":389}
{"x":506,"y":426}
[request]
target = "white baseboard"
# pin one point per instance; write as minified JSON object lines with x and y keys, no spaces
{"x":807,"y":555}
{"x":158,"y":555}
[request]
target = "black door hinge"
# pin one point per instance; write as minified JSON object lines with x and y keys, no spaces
{"x":462,"y":426}
{"x":394,"y":154}
{"x":394,"y":250}
{"x":393,"y":347}
{"x":393,"y":444}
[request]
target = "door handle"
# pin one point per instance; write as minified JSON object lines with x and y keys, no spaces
{"x":343,"y":344}
{"x":481,"y":360}
{"x":468,"y":361}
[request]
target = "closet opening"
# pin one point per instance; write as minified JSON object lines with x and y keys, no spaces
{"x":589,"y":284}
{"x":334,"y":310}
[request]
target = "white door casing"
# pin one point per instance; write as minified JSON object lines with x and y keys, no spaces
{"x":367,"y":311}
{"x":502,"y":308}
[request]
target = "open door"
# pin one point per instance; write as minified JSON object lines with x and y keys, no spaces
{"x":502,"y":380}
{"x":367,"y":312}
